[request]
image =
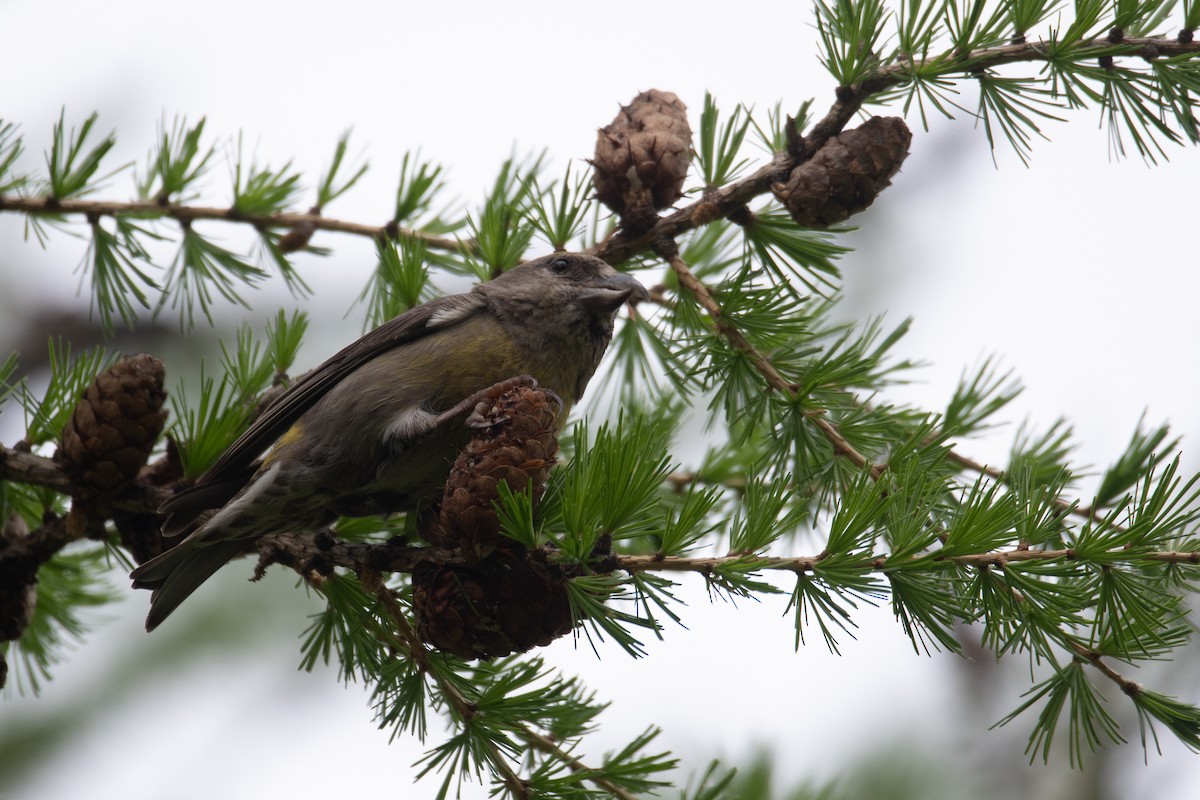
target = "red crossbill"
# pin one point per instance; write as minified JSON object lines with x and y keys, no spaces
{"x":374,"y":429}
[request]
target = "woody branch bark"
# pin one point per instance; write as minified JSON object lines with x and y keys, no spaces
{"x":688,"y":280}
{"x":186,"y":213}
{"x":716,"y":204}
{"x":416,"y":649}
{"x":300,"y":551}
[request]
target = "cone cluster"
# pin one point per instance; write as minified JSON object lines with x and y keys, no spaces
{"x":114,"y":426}
{"x":642,"y":157}
{"x":846,"y":174}
{"x":503,"y":600}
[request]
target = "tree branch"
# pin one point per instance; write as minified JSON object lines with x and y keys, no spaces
{"x":1064,"y":507}
{"x":305,"y":553}
{"x":19,"y":466}
{"x":547,"y":745}
{"x":1096,"y":659}
{"x":1146,"y":47}
{"x":668,"y":250}
{"x":710,"y":564}
{"x":21,"y":557}
{"x":417,"y":650}
{"x":716,"y":203}
{"x":464,"y":708}
{"x":186,"y":214}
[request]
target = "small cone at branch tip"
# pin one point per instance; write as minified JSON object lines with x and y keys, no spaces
{"x":642,"y":157}
{"x":846,"y":174}
{"x":114,"y":426}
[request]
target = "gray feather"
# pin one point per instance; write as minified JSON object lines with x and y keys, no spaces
{"x":177,"y":573}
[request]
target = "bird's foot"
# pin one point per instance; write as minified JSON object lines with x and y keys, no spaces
{"x":481,"y":401}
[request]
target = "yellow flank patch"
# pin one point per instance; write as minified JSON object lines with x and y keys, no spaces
{"x":292,"y":434}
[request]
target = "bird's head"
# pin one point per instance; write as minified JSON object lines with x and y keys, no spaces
{"x":571,"y":278}
{"x":563,"y":289}
{"x":560,"y":309}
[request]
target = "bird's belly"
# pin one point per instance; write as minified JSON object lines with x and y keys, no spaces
{"x":405,"y":479}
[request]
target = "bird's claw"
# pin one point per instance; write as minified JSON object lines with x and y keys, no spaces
{"x":553,"y":395}
{"x":484,"y":399}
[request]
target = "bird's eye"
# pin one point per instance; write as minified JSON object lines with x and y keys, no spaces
{"x":560,"y":265}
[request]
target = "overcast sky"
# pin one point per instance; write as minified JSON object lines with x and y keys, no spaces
{"x":1079,"y":272}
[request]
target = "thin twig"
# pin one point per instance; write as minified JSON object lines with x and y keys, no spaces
{"x":299,"y":551}
{"x":1063,"y":505}
{"x":463,"y":707}
{"x":716,"y":203}
{"x":1096,"y":659}
{"x":547,"y":746}
{"x":668,"y":250}
{"x":706,"y":565}
{"x":1147,"y":47}
{"x":1087,"y":655}
{"x":730,"y":199}
{"x":420,"y":653}
{"x":681,"y":480}
{"x":185,"y":214}
{"x":689,"y":281}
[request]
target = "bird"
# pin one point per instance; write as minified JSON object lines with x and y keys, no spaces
{"x":375,"y":429}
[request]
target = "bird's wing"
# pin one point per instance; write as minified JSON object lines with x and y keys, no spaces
{"x":230,"y":472}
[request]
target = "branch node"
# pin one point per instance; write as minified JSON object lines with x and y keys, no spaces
{"x":316,"y":569}
{"x":377,"y":558}
{"x":742,"y":215}
{"x":666,"y":247}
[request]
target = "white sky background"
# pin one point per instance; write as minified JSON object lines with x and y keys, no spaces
{"x":1079,"y":272}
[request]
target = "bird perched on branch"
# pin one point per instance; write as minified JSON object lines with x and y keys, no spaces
{"x":376,"y":428}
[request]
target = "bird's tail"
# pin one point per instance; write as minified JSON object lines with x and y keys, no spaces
{"x":175,"y":574}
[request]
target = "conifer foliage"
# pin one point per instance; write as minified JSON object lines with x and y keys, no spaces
{"x":590,"y":529}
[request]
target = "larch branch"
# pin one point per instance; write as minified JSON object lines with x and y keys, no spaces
{"x":186,"y":214}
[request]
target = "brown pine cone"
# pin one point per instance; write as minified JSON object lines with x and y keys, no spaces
{"x":503,"y":604}
{"x":846,"y":174}
{"x":642,"y":157}
{"x":503,"y":601}
{"x":114,"y":426}
{"x":515,"y":442}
